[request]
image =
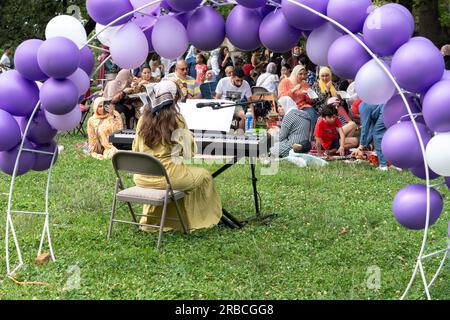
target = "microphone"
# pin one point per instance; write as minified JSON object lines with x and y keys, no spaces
{"x":208,"y":104}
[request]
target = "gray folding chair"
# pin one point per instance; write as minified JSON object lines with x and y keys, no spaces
{"x":141,"y":163}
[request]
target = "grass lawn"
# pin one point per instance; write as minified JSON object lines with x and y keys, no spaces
{"x":300,"y":255}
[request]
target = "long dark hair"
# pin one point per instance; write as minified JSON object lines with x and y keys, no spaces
{"x":157,"y":128}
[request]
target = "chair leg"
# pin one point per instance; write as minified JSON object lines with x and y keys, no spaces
{"x":163,"y":218}
{"x":132,"y":212}
{"x":113,"y":211}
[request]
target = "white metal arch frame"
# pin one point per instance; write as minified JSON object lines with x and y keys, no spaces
{"x":421,"y":257}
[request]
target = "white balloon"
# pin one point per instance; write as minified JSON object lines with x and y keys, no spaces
{"x":68,"y":27}
{"x":107,"y":35}
{"x":373,"y":85}
{"x":438,"y":154}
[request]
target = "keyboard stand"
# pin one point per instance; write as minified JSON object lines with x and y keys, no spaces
{"x":228,"y":219}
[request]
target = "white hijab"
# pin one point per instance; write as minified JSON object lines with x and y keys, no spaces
{"x":288,"y":104}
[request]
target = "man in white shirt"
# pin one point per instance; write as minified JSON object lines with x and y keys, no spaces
{"x":5,"y":62}
{"x":235,"y":88}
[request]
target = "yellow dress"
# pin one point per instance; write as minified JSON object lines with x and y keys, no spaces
{"x":201,"y":208}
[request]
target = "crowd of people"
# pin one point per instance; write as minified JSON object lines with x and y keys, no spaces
{"x":317,"y":111}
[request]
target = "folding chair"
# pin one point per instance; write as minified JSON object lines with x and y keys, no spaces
{"x":261,"y":93}
{"x":84,"y":114}
{"x":141,"y":163}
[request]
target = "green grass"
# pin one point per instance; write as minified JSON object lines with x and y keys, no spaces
{"x":299,"y":255}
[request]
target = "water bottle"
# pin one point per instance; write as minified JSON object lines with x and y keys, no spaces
{"x":248,"y":121}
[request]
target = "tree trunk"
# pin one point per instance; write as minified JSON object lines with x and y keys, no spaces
{"x":429,"y":25}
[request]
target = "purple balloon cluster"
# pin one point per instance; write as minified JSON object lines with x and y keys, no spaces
{"x":64,"y":68}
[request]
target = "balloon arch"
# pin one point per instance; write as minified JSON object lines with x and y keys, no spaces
{"x":41,"y":96}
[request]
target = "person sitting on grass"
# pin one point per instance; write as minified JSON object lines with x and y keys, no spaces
{"x":295,"y":129}
{"x":101,"y":125}
{"x":330,"y":136}
{"x":348,"y":125}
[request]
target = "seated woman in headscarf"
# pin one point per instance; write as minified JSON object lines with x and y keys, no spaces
{"x":101,"y":125}
{"x":158,"y":135}
{"x":296,"y":88}
{"x":325,"y":88}
{"x":295,"y":132}
{"x":269,"y":80}
{"x":116,"y":91}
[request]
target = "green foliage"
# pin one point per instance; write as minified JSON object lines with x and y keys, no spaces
{"x":301,"y":254}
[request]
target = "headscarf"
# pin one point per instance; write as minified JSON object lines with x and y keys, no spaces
{"x":323,"y":85}
{"x":119,"y":84}
{"x":96,"y":105}
{"x":295,"y":72}
{"x":162,"y":95}
{"x":446,"y":50}
{"x":288,"y":104}
{"x":247,"y":68}
{"x":271,"y":68}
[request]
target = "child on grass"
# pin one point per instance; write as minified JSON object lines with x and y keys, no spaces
{"x":330,"y":136}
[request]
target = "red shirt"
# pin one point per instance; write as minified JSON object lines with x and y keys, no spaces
{"x":327,"y":133}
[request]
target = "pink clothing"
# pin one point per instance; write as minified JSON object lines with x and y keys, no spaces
{"x":201,"y":72}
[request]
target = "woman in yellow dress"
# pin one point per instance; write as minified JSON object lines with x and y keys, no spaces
{"x":162,"y":132}
{"x":101,"y":125}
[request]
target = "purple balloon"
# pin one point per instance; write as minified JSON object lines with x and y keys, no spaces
{"x":401,"y":146}
{"x":419,"y":172}
{"x":106,"y":11}
{"x":319,"y":43}
{"x":44,"y":161}
{"x":184,"y":5}
{"x":242,"y":18}
{"x":81,"y":81}
{"x":301,"y":18}
{"x":417,"y":66}
{"x":40,"y":131}
{"x":421,"y":39}
{"x":406,"y":13}
{"x":148,"y":35}
{"x":447,"y":182}
{"x":410,"y":206}
{"x":129,"y":36}
{"x":168,"y":27}
{"x":26,"y":161}
{"x":185,"y":17}
{"x":59,"y":96}
{"x":206,"y":18}
{"x":58,"y":57}
{"x":265,"y":10}
{"x":386,"y":29}
{"x":350,"y":13}
{"x":65,"y":122}
{"x":25,"y":60}
{"x":272,"y":26}
{"x":10,"y":134}
{"x":343,"y":50}
{"x":87,"y":60}
{"x":253,"y":4}
{"x":18,"y":96}
{"x":436,"y":108}
{"x":395,"y":110}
